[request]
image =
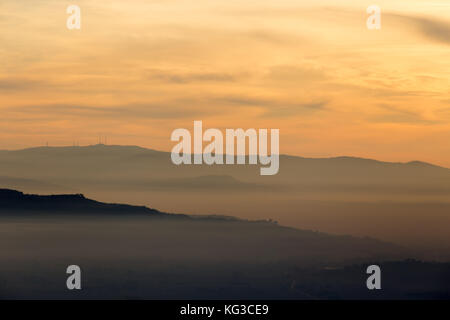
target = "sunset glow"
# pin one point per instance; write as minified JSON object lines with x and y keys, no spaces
{"x":138,"y":70}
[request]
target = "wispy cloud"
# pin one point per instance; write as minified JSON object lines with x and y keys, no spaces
{"x":15,"y":84}
{"x":431,"y":28}
{"x":274,"y":107}
{"x":294,"y":109}
{"x":189,"y":77}
{"x":168,"y":110}
{"x":296,"y":74}
{"x":393,"y":114}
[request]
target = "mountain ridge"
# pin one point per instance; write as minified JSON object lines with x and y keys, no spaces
{"x":341,"y":195}
{"x":97,"y":147}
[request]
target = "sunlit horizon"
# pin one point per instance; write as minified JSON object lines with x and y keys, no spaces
{"x":314,"y":71}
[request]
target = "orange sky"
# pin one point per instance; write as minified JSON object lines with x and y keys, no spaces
{"x":139,"y":69}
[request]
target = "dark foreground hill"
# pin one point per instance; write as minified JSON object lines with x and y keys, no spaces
{"x":12,"y":201}
{"x":231,"y":235}
{"x":405,"y":203}
{"x":136,"y":252}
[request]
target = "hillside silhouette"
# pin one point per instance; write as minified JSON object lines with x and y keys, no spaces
{"x":259,"y":235}
{"x":12,"y":201}
{"x":136,"y":252}
{"x":406,"y":203}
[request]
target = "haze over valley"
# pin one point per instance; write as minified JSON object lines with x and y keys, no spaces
{"x":404,"y":203}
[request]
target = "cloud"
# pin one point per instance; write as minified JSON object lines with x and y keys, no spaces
{"x":187,"y":108}
{"x":296,"y":74}
{"x":275,"y":107}
{"x":294,"y":109}
{"x":14,"y":84}
{"x":432,"y":29}
{"x":393,"y":114}
{"x":243,"y":101}
{"x":275,"y":38}
{"x":167,"y":110}
{"x":183,"y":78}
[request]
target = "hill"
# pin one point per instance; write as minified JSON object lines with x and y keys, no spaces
{"x":12,"y":201}
{"x":125,"y":252}
{"x":406,"y":203}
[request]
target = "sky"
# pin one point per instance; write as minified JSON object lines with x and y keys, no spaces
{"x":139,"y":69}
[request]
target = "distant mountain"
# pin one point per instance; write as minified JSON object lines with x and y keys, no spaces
{"x":78,"y":168}
{"x":406,"y":203}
